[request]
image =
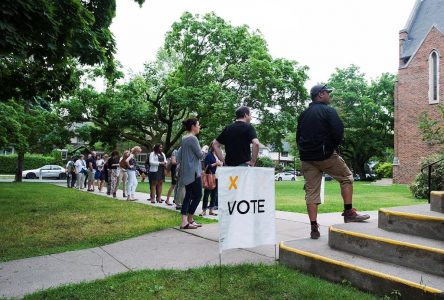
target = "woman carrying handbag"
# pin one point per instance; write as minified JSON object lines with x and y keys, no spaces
{"x":210,"y":188}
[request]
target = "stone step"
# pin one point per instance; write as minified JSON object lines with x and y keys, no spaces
{"x":416,"y":220}
{"x":368,"y":240}
{"x":381,"y":278}
{"x":437,"y":201}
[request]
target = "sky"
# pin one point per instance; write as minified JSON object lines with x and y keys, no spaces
{"x":321,"y":34}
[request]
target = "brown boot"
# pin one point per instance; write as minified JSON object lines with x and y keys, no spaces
{"x":352,"y":215}
{"x":315,"y":234}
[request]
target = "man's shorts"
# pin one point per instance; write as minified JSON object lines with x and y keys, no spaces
{"x":334,"y":166}
{"x":97,"y":175}
{"x":91,"y":175}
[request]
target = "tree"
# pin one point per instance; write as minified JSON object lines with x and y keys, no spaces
{"x":432,"y":130}
{"x":206,"y":68}
{"x":41,"y":44}
{"x":367,"y":113}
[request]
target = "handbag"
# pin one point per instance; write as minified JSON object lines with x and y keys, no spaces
{"x":208,"y":180}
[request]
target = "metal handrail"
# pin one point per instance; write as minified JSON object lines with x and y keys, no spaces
{"x":429,"y":175}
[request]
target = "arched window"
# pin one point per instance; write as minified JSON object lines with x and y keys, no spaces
{"x":434,"y":77}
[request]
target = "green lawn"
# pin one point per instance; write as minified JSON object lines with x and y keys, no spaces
{"x":366,"y":196}
{"x":238,"y":282}
{"x":290,"y":196}
{"x":38,"y":219}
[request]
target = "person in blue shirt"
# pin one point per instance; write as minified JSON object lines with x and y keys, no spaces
{"x":211,"y":164}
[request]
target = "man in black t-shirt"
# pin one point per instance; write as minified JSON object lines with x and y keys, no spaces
{"x":92,"y":168}
{"x":237,"y":138}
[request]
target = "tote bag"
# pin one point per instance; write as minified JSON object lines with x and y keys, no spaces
{"x":208,"y":180}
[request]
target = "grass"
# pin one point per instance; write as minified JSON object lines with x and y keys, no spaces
{"x":43,"y":219}
{"x":238,"y":282}
{"x":366,"y":196}
{"x":39,"y":219}
{"x":290,"y":196}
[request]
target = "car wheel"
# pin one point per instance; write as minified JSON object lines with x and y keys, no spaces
{"x":293,"y":179}
{"x":280,"y":179}
{"x":31,"y":176}
{"x":62,"y":176}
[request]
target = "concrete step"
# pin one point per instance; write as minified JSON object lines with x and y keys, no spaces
{"x":368,"y":240}
{"x":381,"y":278}
{"x":416,"y":220}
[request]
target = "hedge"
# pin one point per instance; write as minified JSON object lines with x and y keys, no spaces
{"x":8,"y":163}
{"x":419,"y":187}
{"x":384,"y":170}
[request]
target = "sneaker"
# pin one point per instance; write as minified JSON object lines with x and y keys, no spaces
{"x":315,"y":234}
{"x":352,"y":215}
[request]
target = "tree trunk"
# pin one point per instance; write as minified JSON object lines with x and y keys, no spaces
{"x":20,"y":163}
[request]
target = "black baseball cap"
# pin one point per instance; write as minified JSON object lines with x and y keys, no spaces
{"x":315,"y":90}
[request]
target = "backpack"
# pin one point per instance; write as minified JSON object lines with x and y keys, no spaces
{"x":70,"y":167}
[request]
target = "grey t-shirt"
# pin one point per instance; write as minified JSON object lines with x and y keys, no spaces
{"x":189,"y":156}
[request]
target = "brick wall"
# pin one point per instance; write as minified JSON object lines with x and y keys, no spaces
{"x":411,"y":99}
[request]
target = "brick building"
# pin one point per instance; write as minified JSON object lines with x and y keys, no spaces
{"x":420,"y":85}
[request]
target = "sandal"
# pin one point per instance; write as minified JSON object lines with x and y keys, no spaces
{"x":168,"y":203}
{"x":212,"y":213}
{"x":193,"y":223}
{"x":188,"y":226}
{"x":203,"y":213}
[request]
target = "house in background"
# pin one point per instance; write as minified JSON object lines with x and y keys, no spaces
{"x":420,"y":86}
{"x":282,"y":158}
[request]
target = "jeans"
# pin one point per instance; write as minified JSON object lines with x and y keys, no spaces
{"x":80,"y":180}
{"x":193,"y":194}
{"x":71,"y":179}
{"x":213,"y":202}
{"x":132,"y":182}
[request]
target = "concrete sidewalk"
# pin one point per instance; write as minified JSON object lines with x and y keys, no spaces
{"x":158,"y":250}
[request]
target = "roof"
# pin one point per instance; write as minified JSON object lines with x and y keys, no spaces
{"x":425,"y":15}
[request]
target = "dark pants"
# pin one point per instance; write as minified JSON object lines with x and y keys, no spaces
{"x":213,"y":202}
{"x":71,"y":179}
{"x":193,"y":194}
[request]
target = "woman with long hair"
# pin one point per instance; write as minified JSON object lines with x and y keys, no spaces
{"x":131,"y":169}
{"x":157,"y":173}
{"x":189,"y":157}
{"x":211,"y":164}
{"x":113,"y":172}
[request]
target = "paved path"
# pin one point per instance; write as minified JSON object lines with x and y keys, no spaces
{"x":167,"y":249}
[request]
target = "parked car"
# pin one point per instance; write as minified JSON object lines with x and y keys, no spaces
{"x":328,"y":177}
{"x":297,"y":173}
{"x":285,"y":176}
{"x":48,"y":171}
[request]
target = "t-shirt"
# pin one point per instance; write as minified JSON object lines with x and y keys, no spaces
{"x":237,"y":138}
{"x":100,"y":164}
{"x":93,"y":161}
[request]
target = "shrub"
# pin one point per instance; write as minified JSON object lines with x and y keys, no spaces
{"x":384,"y":170}
{"x":8,"y":163}
{"x":419,"y":187}
{"x":264,"y":162}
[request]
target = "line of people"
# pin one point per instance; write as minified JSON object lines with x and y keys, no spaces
{"x":109,"y":170}
{"x":185,"y":166}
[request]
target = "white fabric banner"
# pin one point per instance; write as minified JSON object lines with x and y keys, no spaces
{"x":246,"y":207}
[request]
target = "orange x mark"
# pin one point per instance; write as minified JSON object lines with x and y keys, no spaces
{"x":233,"y":183}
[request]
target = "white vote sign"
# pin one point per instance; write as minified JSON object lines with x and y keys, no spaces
{"x":246,"y":207}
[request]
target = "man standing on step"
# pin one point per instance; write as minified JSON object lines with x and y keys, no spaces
{"x":319,"y":133}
